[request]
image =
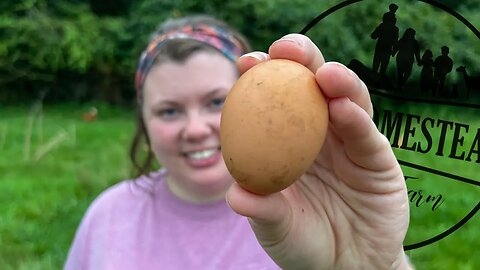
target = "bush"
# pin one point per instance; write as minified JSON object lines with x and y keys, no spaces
{"x":83,"y":50}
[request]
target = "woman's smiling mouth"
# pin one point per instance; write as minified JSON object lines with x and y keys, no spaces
{"x":203,"y":158}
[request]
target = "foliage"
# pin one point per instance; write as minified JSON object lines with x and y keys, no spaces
{"x":44,"y":42}
{"x":82,"y":50}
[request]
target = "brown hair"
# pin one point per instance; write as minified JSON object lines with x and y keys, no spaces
{"x":176,"y":50}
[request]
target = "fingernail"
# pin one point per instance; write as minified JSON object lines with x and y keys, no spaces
{"x":289,"y":38}
{"x":347,"y":70}
{"x":257,"y":55}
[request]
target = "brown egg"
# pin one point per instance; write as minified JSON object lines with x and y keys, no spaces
{"x":273,"y":125}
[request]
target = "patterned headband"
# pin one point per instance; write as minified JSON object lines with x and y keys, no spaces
{"x":216,"y":37}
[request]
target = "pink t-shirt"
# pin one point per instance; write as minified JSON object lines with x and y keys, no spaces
{"x":142,"y":225}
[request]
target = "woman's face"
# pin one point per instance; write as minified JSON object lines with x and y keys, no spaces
{"x":181,"y":109}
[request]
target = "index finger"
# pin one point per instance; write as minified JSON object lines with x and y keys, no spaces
{"x":298,"y":48}
{"x":295,"y":47}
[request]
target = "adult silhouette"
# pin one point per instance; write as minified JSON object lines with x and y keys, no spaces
{"x":443,"y":65}
{"x":406,"y":50}
{"x":426,"y":75}
{"x":386,"y":34}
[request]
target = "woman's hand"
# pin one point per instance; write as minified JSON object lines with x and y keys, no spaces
{"x":350,"y":209}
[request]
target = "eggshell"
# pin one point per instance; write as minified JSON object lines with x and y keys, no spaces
{"x":273,"y":125}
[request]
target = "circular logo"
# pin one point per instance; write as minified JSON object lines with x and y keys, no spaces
{"x":420,"y":61}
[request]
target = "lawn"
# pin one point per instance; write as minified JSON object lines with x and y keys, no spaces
{"x":53,"y":164}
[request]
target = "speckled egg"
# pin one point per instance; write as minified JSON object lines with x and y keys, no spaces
{"x":273,"y":125}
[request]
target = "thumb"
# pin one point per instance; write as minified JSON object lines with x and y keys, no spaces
{"x":269,"y":215}
{"x":266,"y":208}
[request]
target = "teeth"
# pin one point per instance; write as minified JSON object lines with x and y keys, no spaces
{"x":202,"y":154}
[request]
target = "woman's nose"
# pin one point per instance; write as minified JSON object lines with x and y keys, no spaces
{"x":197,"y":127}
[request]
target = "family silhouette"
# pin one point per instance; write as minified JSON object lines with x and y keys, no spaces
{"x":407,"y":50}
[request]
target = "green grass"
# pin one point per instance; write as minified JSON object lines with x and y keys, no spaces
{"x":44,"y":196}
{"x":42,"y":201}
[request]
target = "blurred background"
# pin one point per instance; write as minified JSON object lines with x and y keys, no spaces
{"x":67,"y":102}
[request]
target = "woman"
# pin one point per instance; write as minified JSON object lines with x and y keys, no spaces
{"x":176,"y":218}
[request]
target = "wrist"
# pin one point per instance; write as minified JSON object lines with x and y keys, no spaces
{"x":403,"y":262}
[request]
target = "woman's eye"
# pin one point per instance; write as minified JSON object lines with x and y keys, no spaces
{"x":168,"y":113}
{"x":217,"y":102}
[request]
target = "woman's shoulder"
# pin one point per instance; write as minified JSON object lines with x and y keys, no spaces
{"x":124,"y":195}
